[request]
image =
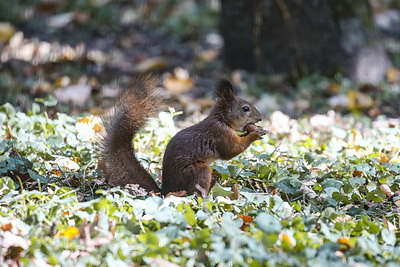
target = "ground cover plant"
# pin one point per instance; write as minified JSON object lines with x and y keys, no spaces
{"x":318,"y":190}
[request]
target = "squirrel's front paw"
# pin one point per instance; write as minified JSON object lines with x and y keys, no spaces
{"x":256,"y":131}
{"x":260,"y":132}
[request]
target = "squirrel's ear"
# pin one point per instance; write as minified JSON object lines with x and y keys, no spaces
{"x":224,"y":90}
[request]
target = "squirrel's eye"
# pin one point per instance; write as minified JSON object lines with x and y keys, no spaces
{"x":246,"y":108}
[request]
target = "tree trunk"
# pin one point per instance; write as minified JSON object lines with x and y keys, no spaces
{"x":295,"y":36}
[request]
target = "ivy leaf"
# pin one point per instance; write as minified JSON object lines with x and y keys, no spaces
{"x":37,"y":177}
{"x":389,"y":237}
{"x":289,"y":186}
{"x":268,"y":223}
{"x":357,"y":181}
{"x":218,"y":190}
{"x":376,"y":196}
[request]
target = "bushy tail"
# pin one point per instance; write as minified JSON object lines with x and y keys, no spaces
{"x":131,"y":112}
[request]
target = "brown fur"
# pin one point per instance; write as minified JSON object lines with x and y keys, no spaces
{"x":130,"y":113}
{"x":187,"y":158}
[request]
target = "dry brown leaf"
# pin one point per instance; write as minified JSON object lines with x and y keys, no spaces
{"x":6,"y":227}
{"x":334,"y":88}
{"x":66,"y":163}
{"x":389,"y":225}
{"x":12,"y":244}
{"x":152,"y":64}
{"x":246,"y":221}
{"x":343,"y":218}
{"x":178,"y":82}
{"x":386,"y":189}
{"x":177,"y":194}
{"x":393,"y":75}
{"x":382,"y":158}
{"x":209,"y":55}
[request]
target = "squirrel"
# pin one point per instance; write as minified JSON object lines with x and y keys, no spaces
{"x":188,"y":155}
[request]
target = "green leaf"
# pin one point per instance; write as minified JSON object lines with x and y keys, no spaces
{"x":234,"y":170}
{"x":376,"y":196}
{"x":150,"y":239}
{"x":357,"y":181}
{"x":289,"y":186}
{"x":218,"y":190}
{"x":309,"y":157}
{"x":189,"y":215}
{"x":37,"y":177}
{"x":389,"y":237}
{"x":268,"y":223}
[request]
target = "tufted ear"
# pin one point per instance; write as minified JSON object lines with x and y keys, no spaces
{"x":224,"y":91}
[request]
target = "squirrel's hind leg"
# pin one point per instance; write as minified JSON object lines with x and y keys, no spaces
{"x":201,"y":184}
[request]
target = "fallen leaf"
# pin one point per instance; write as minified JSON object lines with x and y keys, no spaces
{"x":334,"y":88}
{"x":77,"y":94}
{"x":344,"y":241}
{"x":393,"y":75}
{"x":386,"y":189}
{"x":178,"y":82}
{"x":382,"y":158}
{"x":9,"y":240}
{"x":177,"y":194}
{"x":246,"y":221}
{"x":389,"y":225}
{"x":7,"y":31}
{"x":66,"y":163}
{"x":358,"y":174}
{"x":57,"y":172}
{"x":61,"y":20}
{"x":287,"y":239}
{"x":6,"y":227}
{"x":70,"y":233}
{"x":89,"y":127}
{"x":343,"y":218}
{"x":152,"y":64}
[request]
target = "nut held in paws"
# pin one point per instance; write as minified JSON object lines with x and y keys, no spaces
{"x":251,"y":127}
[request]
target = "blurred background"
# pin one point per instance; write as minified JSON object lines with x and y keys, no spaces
{"x":296,"y":56}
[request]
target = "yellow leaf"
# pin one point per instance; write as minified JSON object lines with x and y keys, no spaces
{"x":344,"y":241}
{"x":358,"y":100}
{"x":56,"y":172}
{"x":393,"y":75}
{"x":287,"y":239}
{"x":352,"y":97}
{"x":70,"y":233}
{"x":382,"y":158}
{"x":86,"y":120}
{"x":7,"y":31}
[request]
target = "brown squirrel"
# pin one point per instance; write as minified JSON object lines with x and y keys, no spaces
{"x":187,"y":158}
